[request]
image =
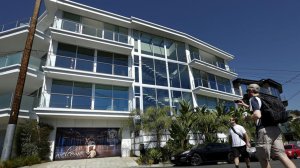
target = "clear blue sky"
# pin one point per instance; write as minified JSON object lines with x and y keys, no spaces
{"x":264,"y":36}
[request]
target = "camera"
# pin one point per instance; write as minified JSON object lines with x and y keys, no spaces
{"x":237,"y":101}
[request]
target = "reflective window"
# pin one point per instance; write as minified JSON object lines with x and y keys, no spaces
{"x":149,"y":97}
{"x":152,"y":45}
{"x":162,"y":98}
{"x":136,"y":38}
{"x":174,"y":75}
{"x":146,"y":44}
{"x":120,"y":64}
{"x":194,"y":52}
{"x":66,"y":94}
{"x":112,"y":63}
{"x":184,"y":76}
{"x":111,"y":98}
{"x":161,"y":73}
{"x":209,"y":102}
{"x":85,"y":59}
{"x":63,"y":87}
{"x":148,"y":71}
{"x":224,"y":84}
{"x":66,"y":55}
{"x":176,"y":50}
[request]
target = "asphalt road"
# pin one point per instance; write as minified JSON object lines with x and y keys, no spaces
{"x":274,"y":164}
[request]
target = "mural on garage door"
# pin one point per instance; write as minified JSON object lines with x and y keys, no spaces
{"x":81,"y":143}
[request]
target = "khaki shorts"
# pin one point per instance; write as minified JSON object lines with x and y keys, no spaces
{"x":269,"y":139}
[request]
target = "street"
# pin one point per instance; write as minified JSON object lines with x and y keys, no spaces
{"x":274,"y":164}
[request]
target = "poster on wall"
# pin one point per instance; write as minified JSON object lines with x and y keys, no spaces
{"x":82,"y":143}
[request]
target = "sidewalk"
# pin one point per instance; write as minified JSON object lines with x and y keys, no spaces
{"x":109,"y":162}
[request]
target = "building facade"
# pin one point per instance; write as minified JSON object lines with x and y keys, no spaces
{"x":90,"y":68}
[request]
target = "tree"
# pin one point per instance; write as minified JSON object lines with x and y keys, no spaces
{"x":156,"y":119}
{"x":182,"y":125}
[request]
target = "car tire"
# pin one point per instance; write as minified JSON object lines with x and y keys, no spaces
{"x":196,"y":159}
{"x":295,"y":155}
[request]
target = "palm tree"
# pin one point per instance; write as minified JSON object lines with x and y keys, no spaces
{"x":182,"y":125}
{"x":156,"y":119}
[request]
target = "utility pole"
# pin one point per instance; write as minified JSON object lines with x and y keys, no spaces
{"x":14,"y":113}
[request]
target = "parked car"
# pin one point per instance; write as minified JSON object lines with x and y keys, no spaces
{"x":292,"y":151}
{"x":211,"y":152}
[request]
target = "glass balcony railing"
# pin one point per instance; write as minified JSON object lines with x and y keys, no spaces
{"x":15,"y":24}
{"x":90,"y":30}
{"x":6,"y":100}
{"x":212,"y":85}
{"x":69,"y":101}
{"x":88,"y":65}
{"x":15,"y":58}
{"x":195,"y":55}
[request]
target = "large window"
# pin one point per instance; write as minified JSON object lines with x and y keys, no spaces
{"x":155,"y":97}
{"x":73,"y":57}
{"x":110,"y":63}
{"x":66,"y":94}
{"x":152,"y":45}
{"x":109,"y":97}
{"x":78,"y":95}
{"x":176,"y":50}
{"x":194,"y":52}
{"x":179,"y":76}
{"x":154,"y":72}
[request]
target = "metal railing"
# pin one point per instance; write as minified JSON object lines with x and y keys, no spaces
{"x":90,"y":30}
{"x":15,"y":24}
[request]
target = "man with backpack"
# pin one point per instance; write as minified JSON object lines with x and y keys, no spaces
{"x":267,"y":113}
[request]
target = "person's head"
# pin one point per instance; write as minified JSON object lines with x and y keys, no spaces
{"x":233,"y":120}
{"x":253,"y":89}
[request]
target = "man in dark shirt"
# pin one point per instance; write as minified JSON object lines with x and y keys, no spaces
{"x":268,"y":137}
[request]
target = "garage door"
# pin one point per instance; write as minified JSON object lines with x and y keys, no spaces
{"x":82,"y":143}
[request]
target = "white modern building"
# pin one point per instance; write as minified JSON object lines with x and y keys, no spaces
{"x":89,"y":68}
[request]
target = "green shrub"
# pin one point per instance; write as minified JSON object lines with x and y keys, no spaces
{"x":154,"y":154}
{"x":32,"y":139}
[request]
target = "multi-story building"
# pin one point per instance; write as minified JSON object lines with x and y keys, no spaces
{"x":90,"y":68}
{"x":267,"y":86}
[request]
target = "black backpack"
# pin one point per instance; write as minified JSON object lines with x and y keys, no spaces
{"x":272,"y":111}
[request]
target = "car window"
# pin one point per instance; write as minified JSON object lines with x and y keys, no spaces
{"x":287,"y":146}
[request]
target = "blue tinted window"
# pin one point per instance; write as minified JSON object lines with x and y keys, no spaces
{"x":120,"y":92}
{"x":103,"y":91}
{"x":81,"y":102}
{"x":184,"y":76}
{"x":161,"y":73}
{"x":63,"y":87}
{"x":174,"y":75}
{"x":120,"y":104}
{"x":103,"y":103}
{"x":148,"y":71}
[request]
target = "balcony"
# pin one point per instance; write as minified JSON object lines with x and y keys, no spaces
{"x":214,"y":89}
{"x":15,"y":58}
{"x":15,"y":24}
{"x":62,"y":67}
{"x":89,"y":36}
{"x":62,"y":105}
{"x":214,"y":67}
{"x":27,"y":104}
{"x":9,"y":71}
